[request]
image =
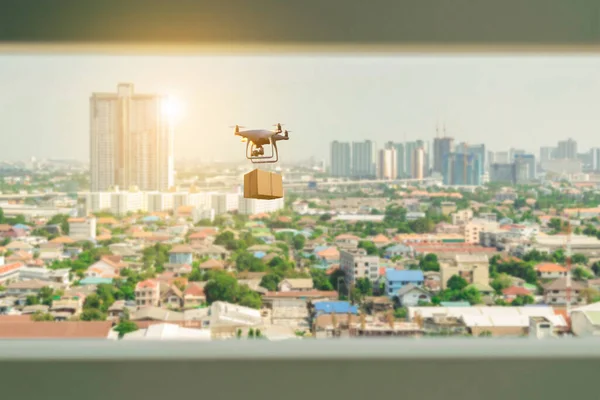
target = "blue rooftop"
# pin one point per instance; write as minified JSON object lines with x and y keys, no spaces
{"x":336,"y":307}
{"x":92,"y":280}
{"x":22,"y":227}
{"x":259,"y":254}
{"x":407,"y":275}
{"x":151,"y":218}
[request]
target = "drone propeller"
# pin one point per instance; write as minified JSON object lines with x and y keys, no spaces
{"x":239,"y":126}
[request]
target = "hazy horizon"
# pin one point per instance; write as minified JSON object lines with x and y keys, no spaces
{"x":502,"y":101}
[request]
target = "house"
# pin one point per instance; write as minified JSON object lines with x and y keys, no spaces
{"x":550,"y":271}
{"x":411,"y":295}
{"x":396,"y":279}
{"x":66,"y":307}
{"x":512,"y":292}
{"x":555,"y":292}
{"x":212,"y":264}
{"x":106,"y":267}
{"x":120,"y":308}
{"x":328,"y":255}
{"x":270,"y":298}
{"x":20,"y":246}
{"x":182,"y":254}
{"x":398,"y":250}
{"x":193,"y":295}
{"x":200,"y":239}
{"x":147,"y":293}
{"x":334,"y":307}
{"x":213,"y":251}
{"x":298,"y":285}
{"x":171,"y":296}
{"x":7,"y":231}
{"x":471,"y":267}
{"x":10,"y":272}
{"x":380,"y":241}
{"x":346,"y":241}
{"x":30,"y":287}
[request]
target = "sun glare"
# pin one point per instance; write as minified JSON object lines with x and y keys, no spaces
{"x":172,"y":109}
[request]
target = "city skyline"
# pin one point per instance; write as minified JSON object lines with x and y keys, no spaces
{"x":524,"y":102}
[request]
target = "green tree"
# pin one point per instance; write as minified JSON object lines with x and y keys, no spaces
{"x":32,"y":300}
{"x":195,"y":275}
{"x":270,"y":282}
{"x":2,"y":218}
{"x":39,"y":316}
{"x":247,"y":262}
{"x":580,"y":274}
{"x":248,"y":298}
{"x":222,"y":287}
{"x":321,"y":280}
{"x":522,"y":300}
{"x":501,"y":282}
{"x":92,"y":314}
{"x":368,"y":246}
{"x":429,"y":263}
{"x":125,"y":327}
{"x":457,"y":283}
{"x":251,"y":333}
{"x":299,"y":242}
{"x":364,"y":286}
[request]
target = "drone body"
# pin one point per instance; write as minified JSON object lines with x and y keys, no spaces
{"x":257,"y":138}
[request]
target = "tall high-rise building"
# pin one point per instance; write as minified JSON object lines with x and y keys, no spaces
{"x":595,"y":158}
{"x":387,"y":163}
{"x":340,"y":159}
{"x":547,"y":153}
{"x":502,"y":157}
{"x":528,"y":171}
{"x":513,"y":153}
{"x":401,"y":169}
{"x":418,"y":163}
{"x":567,"y":149}
{"x":503,"y":172}
{"x":409,"y":150}
{"x":462,"y":169}
{"x":131,"y":140}
{"x":363,"y":160}
{"x":442,"y":146}
{"x":478,"y":151}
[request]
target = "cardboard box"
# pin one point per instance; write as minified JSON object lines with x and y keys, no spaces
{"x":263,"y":185}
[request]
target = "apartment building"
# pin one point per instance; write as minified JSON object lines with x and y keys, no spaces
{"x":147,"y":293}
{"x":475,"y":227}
{"x":257,"y":206}
{"x":357,"y":264}
{"x":82,"y":228}
{"x":462,"y":217}
{"x":131,"y":140}
{"x":473,"y":268}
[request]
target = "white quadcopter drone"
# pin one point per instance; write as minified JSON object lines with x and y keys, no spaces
{"x":257,"y":138}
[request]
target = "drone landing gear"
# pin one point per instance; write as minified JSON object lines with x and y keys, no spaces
{"x":256,"y":153}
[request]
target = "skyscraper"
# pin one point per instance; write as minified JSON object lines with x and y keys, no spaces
{"x":340,"y":159}
{"x":409,"y":150}
{"x":462,"y":169}
{"x":388,"y":164}
{"x":441,"y":148}
{"x":527,"y":172}
{"x":478,"y":151}
{"x":567,"y":149}
{"x":595,"y":158}
{"x":503,"y":172}
{"x":363,"y":160}
{"x":547,"y":153}
{"x":131,"y":140}
{"x":418,"y":163}
{"x":401,"y":169}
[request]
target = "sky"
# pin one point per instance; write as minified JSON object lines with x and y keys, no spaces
{"x":503,"y":101}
